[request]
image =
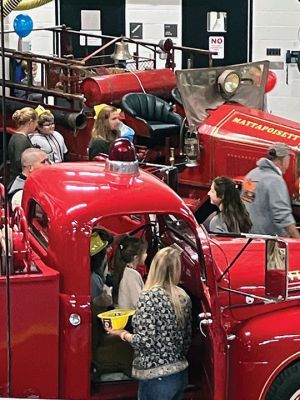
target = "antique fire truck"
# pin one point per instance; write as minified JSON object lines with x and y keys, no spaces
{"x":225,"y":130}
{"x":245,"y":289}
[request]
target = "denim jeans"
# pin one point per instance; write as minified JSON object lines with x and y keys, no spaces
{"x":169,"y":387}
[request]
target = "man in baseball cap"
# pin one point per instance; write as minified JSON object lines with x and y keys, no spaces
{"x":266,"y":195}
{"x":279,"y":150}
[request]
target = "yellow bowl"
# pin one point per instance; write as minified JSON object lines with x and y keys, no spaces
{"x":115,"y":319}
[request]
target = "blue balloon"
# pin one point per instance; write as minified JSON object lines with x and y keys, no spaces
{"x":23,"y":25}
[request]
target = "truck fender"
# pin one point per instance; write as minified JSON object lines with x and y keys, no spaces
{"x":263,"y":347}
{"x":287,"y":384}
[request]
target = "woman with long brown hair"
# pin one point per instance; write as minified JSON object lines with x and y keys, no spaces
{"x":127,"y":281}
{"x":232,"y":215}
{"x":105,"y":131}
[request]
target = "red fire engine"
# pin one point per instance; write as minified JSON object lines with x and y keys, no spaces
{"x":244,"y":289}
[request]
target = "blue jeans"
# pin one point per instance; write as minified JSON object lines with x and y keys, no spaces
{"x":169,"y":387}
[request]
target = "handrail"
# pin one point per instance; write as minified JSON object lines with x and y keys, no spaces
{"x":62,"y":29}
{"x":65,"y":72}
{"x":28,"y":56}
{"x":38,"y":89}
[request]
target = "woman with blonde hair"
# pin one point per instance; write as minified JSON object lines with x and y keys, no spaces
{"x":25,"y":120}
{"x":161,"y":331}
{"x":105,"y":131}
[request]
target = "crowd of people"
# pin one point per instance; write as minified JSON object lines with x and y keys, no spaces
{"x":35,"y":129}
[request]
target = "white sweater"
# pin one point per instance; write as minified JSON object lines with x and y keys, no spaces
{"x":130,"y":288}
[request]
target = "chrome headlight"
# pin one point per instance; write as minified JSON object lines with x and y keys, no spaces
{"x":228,"y":83}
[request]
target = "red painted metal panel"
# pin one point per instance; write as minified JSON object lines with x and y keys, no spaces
{"x":3,"y":340}
{"x":34,"y":333}
{"x":75,"y":348}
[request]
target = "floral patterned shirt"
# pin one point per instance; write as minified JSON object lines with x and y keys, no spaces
{"x":160,"y":341}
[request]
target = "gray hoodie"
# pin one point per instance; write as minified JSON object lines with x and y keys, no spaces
{"x":267,"y":200}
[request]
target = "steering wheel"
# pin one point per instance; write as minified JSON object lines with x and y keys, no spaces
{"x":142,"y":227}
{"x":20,"y":241}
{"x":155,"y":243}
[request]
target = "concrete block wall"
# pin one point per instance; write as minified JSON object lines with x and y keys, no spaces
{"x":153,"y":14}
{"x":41,"y":42}
{"x":276,"y":24}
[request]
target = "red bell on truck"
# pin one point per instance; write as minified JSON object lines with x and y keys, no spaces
{"x":111,"y":88}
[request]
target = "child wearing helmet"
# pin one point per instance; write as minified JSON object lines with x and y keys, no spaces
{"x":100,"y":292}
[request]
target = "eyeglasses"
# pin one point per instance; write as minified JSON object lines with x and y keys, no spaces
{"x":47,"y":125}
{"x":45,"y":161}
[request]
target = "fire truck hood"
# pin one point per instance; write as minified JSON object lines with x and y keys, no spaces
{"x":242,"y":124}
{"x":84,"y":191}
{"x":200,"y":92}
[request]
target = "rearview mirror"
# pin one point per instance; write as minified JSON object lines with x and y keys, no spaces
{"x":276,"y":277}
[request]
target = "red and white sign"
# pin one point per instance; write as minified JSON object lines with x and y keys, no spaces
{"x":216,"y":43}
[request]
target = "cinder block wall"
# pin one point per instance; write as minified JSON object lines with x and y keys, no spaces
{"x":153,"y":14}
{"x":276,"y":24}
{"x":41,"y":42}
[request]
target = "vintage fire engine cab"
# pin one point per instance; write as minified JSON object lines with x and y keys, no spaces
{"x":229,"y":130}
{"x":245,"y":290}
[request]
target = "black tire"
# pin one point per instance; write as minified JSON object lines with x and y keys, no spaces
{"x":286,"y":385}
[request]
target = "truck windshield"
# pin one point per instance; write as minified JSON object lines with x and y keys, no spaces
{"x":199,"y":89}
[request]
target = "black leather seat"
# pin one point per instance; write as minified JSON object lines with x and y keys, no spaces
{"x":156,"y":114}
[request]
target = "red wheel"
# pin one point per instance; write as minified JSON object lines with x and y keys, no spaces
{"x":20,"y":241}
